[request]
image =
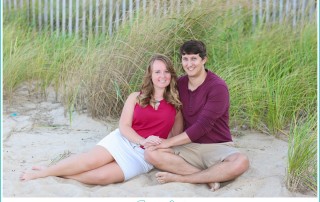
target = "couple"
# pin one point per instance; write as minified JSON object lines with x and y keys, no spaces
{"x":189,"y":139}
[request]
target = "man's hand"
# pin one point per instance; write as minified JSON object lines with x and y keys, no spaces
{"x":163,"y":145}
{"x":181,"y":139}
{"x":151,"y":141}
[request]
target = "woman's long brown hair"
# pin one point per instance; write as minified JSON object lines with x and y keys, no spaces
{"x":171,"y":94}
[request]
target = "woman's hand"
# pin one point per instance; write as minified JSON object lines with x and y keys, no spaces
{"x":163,"y":145}
{"x":151,"y":141}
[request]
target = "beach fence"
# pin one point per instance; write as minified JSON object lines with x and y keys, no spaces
{"x":104,"y":17}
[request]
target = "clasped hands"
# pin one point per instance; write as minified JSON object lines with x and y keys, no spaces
{"x":153,"y":143}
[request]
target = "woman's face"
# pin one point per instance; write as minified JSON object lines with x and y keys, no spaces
{"x":160,"y":76}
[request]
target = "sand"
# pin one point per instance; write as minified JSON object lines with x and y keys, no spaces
{"x":37,"y":132}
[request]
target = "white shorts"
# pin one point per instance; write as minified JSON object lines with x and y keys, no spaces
{"x":128,"y":155}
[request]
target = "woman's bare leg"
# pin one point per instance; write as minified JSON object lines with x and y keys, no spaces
{"x":72,"y":165}
{"x":107,"y":174}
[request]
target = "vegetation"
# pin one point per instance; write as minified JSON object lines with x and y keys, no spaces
{"x":302,"y":165}
{"x":271,"y":71}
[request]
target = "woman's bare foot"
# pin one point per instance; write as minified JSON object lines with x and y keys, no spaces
{"x":31,"y":175}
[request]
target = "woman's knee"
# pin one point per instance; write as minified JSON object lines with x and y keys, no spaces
{"x":91,"y":162}
{"x":95,"y":158}
{"x":109,"y":179}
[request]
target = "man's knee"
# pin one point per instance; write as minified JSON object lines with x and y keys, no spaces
{"x":157,"y":157}
{"x":151,"y":156}
{"x":240,"y":163}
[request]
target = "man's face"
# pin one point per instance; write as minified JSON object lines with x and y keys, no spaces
{"x":193,"y":64}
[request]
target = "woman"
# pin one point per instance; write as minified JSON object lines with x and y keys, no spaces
{"x":146,"y":118}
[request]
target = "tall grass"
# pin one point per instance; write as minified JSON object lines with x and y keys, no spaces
{"x":302,"y":161}
{"x":270,"y":70}
{"x":271,"y":75}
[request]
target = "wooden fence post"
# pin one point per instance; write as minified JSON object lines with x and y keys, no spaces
{"x":70,"y":18}
{"x":57,"y":17}
{"x":51,"y":17}
{"x":117,"y":20}
{"x":97,"y":18}
{"x":130,"y":11}
{"x":83,"y":20}
{"x":77,"y":19}
{"x":39,"y":15}
{"x":123,"y":11}
{"x":110,"y":17}
{"x":254,"y":20}
{"x":43,"y":13}
{"x":33,"y":13}
{"x":90,"y":18}
{"x":63,"y":17}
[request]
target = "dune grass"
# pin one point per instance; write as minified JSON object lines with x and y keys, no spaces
{"x":302,"y":161}
{"x":267,"y":80}
{"x":271,"y":71}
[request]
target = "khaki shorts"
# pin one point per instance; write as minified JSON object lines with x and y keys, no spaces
{"x":203,"y":156}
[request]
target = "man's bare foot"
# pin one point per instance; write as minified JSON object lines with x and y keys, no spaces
{"x":31,"y":175}
{"x":164,"y":177}
{"x":213,"y":186}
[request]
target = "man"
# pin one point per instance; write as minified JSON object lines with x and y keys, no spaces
{"x":204,"y":152}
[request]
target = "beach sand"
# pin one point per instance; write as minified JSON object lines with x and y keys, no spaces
{"x":37,"y":132}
